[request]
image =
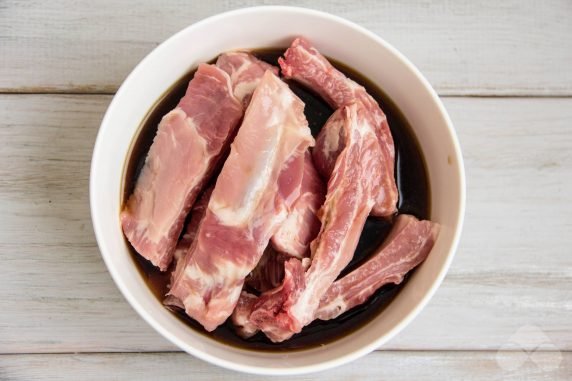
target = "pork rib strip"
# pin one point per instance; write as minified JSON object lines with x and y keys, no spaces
{"x":303,"y":63}
{"x":408,"y":244}
{"x":254,"y":193}
{"x":190,"y":142}
{"x":187,"y":146}
{"x":283,"y":312}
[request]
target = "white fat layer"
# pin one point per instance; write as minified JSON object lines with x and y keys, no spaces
{"x":239,"y":215}
{"x":277,"y":106}
{"x":242,"y":89}
{"x":225,"y":271}
{"x":332,"y":139}
{"x":229,"y":85}
{"x":288,"y":234}
{"x":245,"y":64}
{"x":335,"y":306}
{"x":194,"y":300}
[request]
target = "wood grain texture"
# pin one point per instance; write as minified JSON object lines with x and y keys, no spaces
{"x":513,"y":267}
{"x":464,"y":48}
{"x":395,"y":366}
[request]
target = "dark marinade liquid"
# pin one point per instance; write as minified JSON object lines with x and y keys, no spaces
{"x":414,"y":199}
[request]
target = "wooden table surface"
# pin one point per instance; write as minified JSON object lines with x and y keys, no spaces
{"x":504,"y":71}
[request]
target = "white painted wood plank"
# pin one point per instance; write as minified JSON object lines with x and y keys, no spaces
{"x":396,"y":366}
{"x":514,"y":265}
{"x":513,"y":268}
{"x":510,"y":48}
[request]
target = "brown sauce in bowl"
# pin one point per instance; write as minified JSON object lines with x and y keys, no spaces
{"x":414,"y":198}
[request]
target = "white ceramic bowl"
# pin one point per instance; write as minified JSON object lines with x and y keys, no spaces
{"x":276,"y":27}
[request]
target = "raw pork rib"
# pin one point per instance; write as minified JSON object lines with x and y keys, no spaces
{"x":302,"y":225}
{"x":305,"y":64}
{"x":329,"y":144}
{"x":245,"y":72}
{"x":268,"y":274}
{"x":197,"y":132}
{"x":269,"y":271}
{"x":197,"y":213}
{"x":241,"y":315}
{"x":408,"y":244}
{"x":187,"y":146}
{"x":254,"y":193}
{"x":282,"y":312}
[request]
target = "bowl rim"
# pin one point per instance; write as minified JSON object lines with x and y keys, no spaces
{"x":286,"y":370}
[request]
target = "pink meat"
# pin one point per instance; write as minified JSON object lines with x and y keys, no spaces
{"x":240,"y":316}
{"x":329,"y":143}
{"x":187,"y":146}
{"x":280,"y":313}
{"x":303,"y":63}
{"x":408,"y":245}
{"x":254,"y":193}
{"x":269,"y":272}
{"x":197,"y":213}
{"x":302,"y":225}
{"x":245,"y":72}
{"x":293,"y":281}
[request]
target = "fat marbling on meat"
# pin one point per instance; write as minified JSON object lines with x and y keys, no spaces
{"x":258,"y":184}
{"x":245,"y":72}
{"x":303,"y":63}
{"x":191,"y":142}
{"x":407,"y":245}
{"x":188,"y":144}
{"x":355,"y":179}
{"x":197,"y":213}
{"x":302,"y":224}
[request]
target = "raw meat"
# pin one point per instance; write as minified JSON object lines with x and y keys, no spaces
{"x":254,"y":193}
{"x":303,"y":63}
{"x":240,"y":316}
{"x":408,"y":244}
{"x":329,"y":143}
{"x":269,"y":271}
{"x":197,"y":132}
{"x":355,"y":179}
{"x":245,"y":72}
{"x":268,"y":274}
{"x":197,"y":213}
{"x":187,"y":146}
{"x":302,"y":225}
